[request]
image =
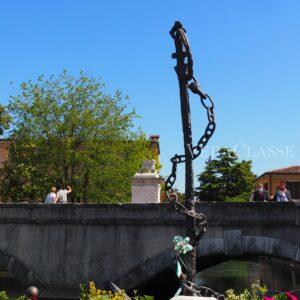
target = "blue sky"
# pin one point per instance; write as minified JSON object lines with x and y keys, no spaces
{"x":246,"y":56}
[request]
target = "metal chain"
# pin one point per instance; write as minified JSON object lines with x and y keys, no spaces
{"x":202,"y":291}
{"x":186,"y":285}
{"x":207,"y":103}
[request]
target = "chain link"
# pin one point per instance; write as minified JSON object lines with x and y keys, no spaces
{"x":207,"y":102}
{"x":196,"y":150}
{"x":202,"y":291}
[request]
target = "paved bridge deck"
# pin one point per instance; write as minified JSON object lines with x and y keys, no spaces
{"x":59,"y":246}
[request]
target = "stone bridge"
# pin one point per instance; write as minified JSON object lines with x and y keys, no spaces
{"x":57,"y":247}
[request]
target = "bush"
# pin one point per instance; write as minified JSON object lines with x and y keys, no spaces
{"x":3,"y":296}
{"x":92,"y":293}
{"x":256,"y":292}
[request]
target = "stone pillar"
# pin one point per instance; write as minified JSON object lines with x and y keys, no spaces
{"x":145,"y":188}
{"x":154,"y":145}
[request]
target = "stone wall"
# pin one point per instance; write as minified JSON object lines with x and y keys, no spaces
{"x":59,"y":246}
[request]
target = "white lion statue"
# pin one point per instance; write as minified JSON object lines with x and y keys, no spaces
{"x":148,"y":166}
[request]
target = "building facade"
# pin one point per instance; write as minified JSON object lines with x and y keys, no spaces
{"x":4,"y":148}
{"x":290,"y":175}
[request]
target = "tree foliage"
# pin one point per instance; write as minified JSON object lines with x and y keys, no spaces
{"x":225,"y":178}
{"x":4,"y":119}
{"x":68,"y":130}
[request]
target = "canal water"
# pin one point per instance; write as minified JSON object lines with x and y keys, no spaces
{"x":240,"y":274}
{"x":235,"y":274}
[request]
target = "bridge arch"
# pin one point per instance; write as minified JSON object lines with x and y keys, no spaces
{"x":20,"y":270}
{"x":233,"y":244}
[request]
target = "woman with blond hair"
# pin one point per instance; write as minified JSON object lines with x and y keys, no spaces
{"x":50,"y":198}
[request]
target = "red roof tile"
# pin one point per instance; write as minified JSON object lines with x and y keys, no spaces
{"x":291,"y":169}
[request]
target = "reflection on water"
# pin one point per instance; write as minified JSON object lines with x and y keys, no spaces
{"x":240,"y":274}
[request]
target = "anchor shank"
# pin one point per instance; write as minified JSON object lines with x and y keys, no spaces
{"x":181,"y":70}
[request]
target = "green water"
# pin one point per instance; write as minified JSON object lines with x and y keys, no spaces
{"x":240,"y":274}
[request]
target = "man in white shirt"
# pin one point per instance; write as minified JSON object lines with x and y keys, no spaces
{"x":61,"y":195}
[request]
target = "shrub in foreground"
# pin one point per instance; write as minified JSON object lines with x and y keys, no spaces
{"x":92,"y":293}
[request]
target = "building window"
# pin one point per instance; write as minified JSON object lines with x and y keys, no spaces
{"x":266,"y":186}
{"x":294,"y":188}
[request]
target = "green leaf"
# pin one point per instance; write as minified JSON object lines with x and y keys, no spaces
{"x":225,"y":178}
{"x":67,"y":129}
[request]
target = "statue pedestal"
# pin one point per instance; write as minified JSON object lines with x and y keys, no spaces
{"x":145,"y":188}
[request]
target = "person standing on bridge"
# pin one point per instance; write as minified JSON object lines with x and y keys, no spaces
{"x":50,"y":198}
{"x":260,"y":194}
{"x":283,"y":195}
{"x":61,"y":195}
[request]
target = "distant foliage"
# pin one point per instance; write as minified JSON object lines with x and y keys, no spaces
{"x":5,"y":119}
{"x":67,"y":130}
{"x":225,"y":178}
{"x":240,"y":198}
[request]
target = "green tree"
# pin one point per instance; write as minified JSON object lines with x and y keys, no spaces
{"x":4,"y":119}
{"x":225,"y":178}
{"x":68,"y":130}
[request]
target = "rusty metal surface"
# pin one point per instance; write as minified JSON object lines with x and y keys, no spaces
{"x":196,"y":223}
